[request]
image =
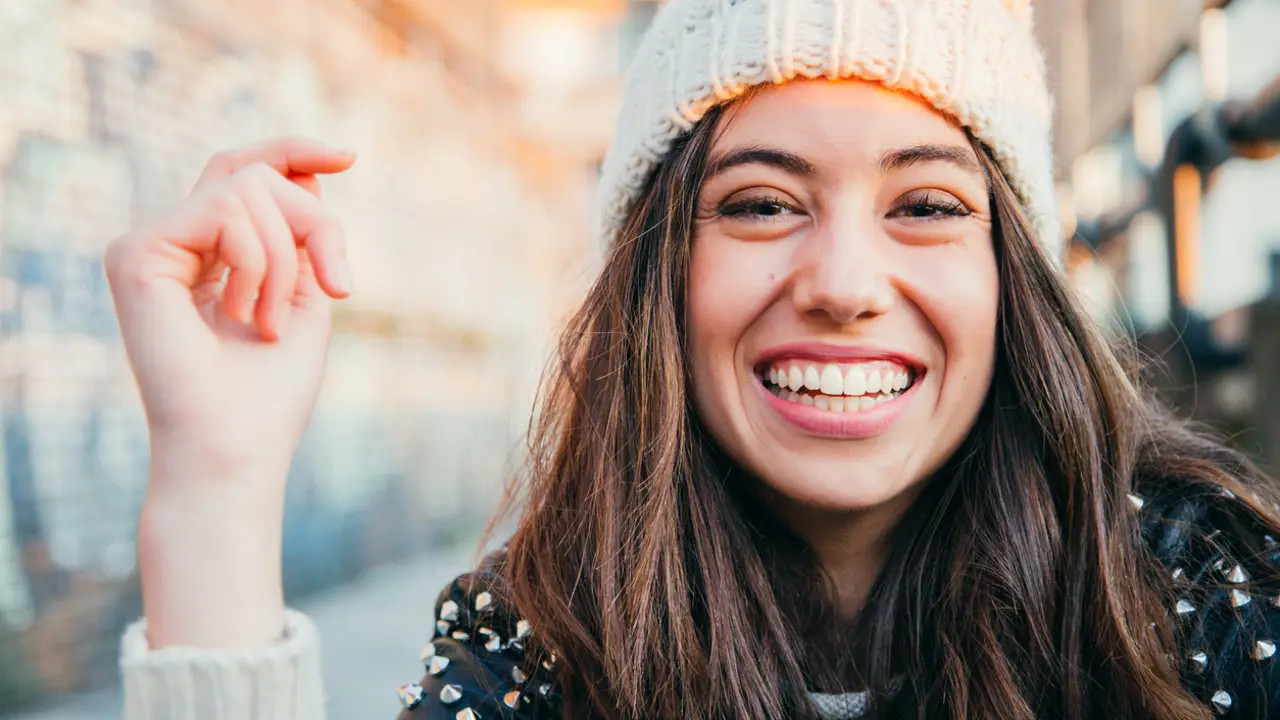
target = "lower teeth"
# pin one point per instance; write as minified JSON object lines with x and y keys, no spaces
{"x":835,"y":404}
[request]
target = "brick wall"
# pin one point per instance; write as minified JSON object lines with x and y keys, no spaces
{"x":467,"y":241}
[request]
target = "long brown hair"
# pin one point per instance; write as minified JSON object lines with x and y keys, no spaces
{"x":1018,"y":586}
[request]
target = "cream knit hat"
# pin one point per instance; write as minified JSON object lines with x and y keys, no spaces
{"x":975,"y":60}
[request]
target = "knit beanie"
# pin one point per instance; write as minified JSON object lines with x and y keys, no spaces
{"x":977,"y":61}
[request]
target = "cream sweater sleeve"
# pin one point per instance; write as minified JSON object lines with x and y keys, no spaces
{"x":281,"y":682}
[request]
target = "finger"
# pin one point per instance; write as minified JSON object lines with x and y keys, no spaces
{"x":278,"y":245}
{"x":309,"y":295}
{"x":288,"y":156}
{"x":208,"y":289}
{"x":240,"y":248}
{"x":319,"y":232}
{"x":310,"y":183}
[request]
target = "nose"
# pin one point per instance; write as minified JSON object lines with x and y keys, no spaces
{"x":841,"y":274}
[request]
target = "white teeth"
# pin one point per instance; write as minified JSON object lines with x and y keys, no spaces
{"x":855,"y":381}
{"x":832,"y":382}
{"x":811,"y":379}
{"x":838,"y":404}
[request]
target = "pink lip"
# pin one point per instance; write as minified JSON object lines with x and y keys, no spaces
{"x":844,"y":426}
{"x":837,"y":353}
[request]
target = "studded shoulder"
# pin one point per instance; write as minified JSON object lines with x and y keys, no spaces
{"x":475,"y":659}
{"x":1226,"y":568}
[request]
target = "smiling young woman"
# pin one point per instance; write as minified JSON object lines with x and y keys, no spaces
{"x":829,"y":438}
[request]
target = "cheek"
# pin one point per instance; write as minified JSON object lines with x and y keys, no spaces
{"x":730,"y":284}
{"x":961,"y":297}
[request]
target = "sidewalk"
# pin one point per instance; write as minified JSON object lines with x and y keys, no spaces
{"x":372,"y":631}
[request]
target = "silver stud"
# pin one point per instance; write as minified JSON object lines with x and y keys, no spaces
{"x":467,"y":714}
{"x":1275,"y":601}
{"x":1269,"y":541}
{"x":518,"y":676}
{"x":1240,"y":599}
{"x":461,"y":635}
{"x":1184,"y":607}
{"x":437,"y":665}
{"x":410,"y":695}
{"x":1199,"y":661}
{"x":1137,"y":501}
{"x":442,"y":627}
{"x":549,"y":663}
{"x":1221,"y":701}
{"x":523,"y":629}
{"x":493,"y":643}
{"x":450,"y":694}
{"x":544,"y":688}
{"x":1237,"y":575}
{"x":1219,"y":563}
{"x":1263,"y":649}
{"x":483,"y":600}
{"x":428,"y":651}
{"x":1177,"y":574}
{"x":1228,"y":494}
{"x":449,"y":611}
{"x":512,"y":699}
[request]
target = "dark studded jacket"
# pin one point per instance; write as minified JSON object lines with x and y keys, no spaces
{"x":1228,"y":606}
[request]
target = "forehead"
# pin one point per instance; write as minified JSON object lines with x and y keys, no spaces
{"x":819,"y":118}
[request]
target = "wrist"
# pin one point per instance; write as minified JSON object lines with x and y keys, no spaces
{"x":210,"y":562}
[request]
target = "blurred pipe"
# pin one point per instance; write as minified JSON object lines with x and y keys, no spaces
{"x":1187,"y":231}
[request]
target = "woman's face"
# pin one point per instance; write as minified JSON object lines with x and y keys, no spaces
{"x":843,"y":292}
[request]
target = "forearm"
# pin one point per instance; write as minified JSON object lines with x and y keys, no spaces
{"x":209,"y":555}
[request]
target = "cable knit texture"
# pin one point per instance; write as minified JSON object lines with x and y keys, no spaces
{"x":281,"y":682}
{"x":975,"y":60}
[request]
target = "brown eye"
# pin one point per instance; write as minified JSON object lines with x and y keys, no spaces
{"x":930,"y":205}
{"x":758,"y":209}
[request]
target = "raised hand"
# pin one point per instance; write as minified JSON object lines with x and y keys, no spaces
{"x":224,"y":306}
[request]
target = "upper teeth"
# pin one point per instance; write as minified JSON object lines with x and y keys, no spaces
{"x":832,"y":379}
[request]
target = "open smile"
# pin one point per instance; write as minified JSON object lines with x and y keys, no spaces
{"x":835,"y":397}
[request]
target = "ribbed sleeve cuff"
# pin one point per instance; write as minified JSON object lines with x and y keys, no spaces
{"x":279,"y":682}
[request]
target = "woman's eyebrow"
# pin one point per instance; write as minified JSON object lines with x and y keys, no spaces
{"x":891,"y":161}
{"x":903,"y":158}
{"x":762,"y":155}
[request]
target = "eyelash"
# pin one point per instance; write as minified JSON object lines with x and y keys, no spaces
{"x":934,"y":209}
{"x":742,"y":209}
{"x":925,"y":207}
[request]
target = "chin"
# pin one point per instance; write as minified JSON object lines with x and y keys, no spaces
{"x":839,"y":489}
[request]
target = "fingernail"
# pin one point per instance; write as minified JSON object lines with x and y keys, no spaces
{"x":344,"y":151}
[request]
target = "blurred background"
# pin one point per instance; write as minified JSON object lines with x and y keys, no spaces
{"x":480,"y":126}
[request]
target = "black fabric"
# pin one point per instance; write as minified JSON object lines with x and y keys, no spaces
{"x":1202,"y":540}
{"x":1199,"y":538}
